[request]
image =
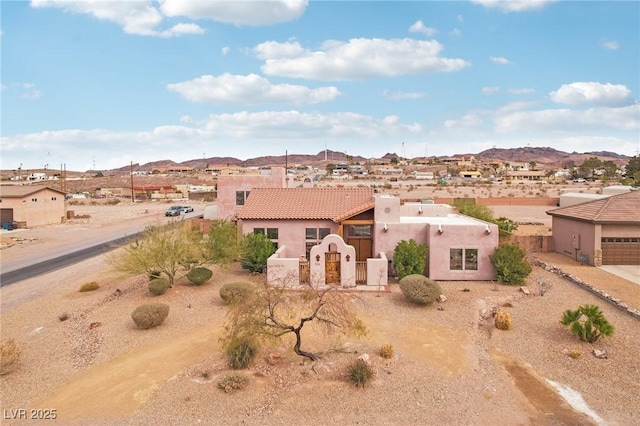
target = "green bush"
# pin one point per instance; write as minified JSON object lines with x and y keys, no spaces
{"x":359,"y":372}
{"x":158,"y":286}
{"x":232,"y":382}
{"x":409,"y":258}
{"x":255,"y":250}
{"x":150,"y":315}
{"x":420,"y":289}
{"x":241,"y":351}
{"x":222,"y":244}
{"x":234,"y":292}
{"x":587,"y":322}
{"x":509,"y":264}
{"x":89,"y":286}
{"x":199,"y":276}
{"x":506,"y":226}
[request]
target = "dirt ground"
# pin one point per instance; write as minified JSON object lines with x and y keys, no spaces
{"x":450,"y":365}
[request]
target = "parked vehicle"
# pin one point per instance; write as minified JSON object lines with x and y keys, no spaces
{"x":187,"y":209}
{"x":174,"y":211}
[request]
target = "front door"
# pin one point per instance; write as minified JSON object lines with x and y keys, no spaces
{"x":361,"y":238}
{"x":332,"y":267}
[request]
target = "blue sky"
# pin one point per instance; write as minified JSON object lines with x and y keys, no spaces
{"x":105,"y":83}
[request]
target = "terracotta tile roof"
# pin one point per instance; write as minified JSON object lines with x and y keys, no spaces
{"x":304,"y":203}
{"x":19,"y":191}
{"x":621,"y":208}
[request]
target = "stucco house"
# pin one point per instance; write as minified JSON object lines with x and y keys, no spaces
{"x":600,"y":232}
{"x":31,"y":205}
{"x":347,"y":235}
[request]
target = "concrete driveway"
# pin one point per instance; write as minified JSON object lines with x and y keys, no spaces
{"x":628,"y":272}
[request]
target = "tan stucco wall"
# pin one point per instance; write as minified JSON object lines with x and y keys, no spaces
{"x":572,"y":238}
{"x":45,"y":207}
{"x":228,"y":185}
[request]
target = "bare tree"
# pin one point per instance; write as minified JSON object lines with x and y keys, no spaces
{"x":273,"y":311}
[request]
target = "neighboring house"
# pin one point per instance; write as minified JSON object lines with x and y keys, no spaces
{"x":234,"y":190}
{"x":347,"y":235}
{"x":599,"y":232}
{"x":526,"y":175}
{"x":31,"y":205}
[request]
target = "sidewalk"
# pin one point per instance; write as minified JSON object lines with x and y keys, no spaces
{"x":620,"y":290}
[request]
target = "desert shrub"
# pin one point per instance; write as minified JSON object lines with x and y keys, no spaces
{"x":9,"y":356}
{"x":150,"y":315}
{"x":158,"y":286}
{"x":89,"y":286}
{"x":575,"y":354}
{"x":386,"y":351}
{"x":63,"y":316}
{"x":232,"y":382}
{"x":509,"y":264}
{"x":506,"y":226}
{"x":223,"y":245}
{"x":112,"y":201}
{"x":235,"y":292}
{"x":502,"y":320}
{"x":241,"y":351}
{"x":587,"y":322}
{"x":255,"y":250}
{"x":199,"y":275}
{"x":409,"y":258}
{"x":359,"y":372}
{"x":154,"y":274}
{"x":420,"y":289}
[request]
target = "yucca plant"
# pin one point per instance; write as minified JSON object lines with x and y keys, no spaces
{"x":587,"y":322}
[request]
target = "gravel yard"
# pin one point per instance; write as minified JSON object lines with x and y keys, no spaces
{"x":450,"y":364}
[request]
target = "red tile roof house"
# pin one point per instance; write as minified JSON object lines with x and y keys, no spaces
{"x":347,"y":235}
{"x":605,"y":231}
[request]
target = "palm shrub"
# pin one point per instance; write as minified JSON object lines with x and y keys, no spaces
{"x":409,"y":257}
{"x":255,"y":250}
{"x":158,"y":286}
{"x":235,"y":292}
{"x":587,"y":322}
{"x":420,"y":289}
{"x":199,"y":275}
{"x":150,"y":315}
{"x":509,"y":264}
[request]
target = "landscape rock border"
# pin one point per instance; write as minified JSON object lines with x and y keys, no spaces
{"x":600,"y":293}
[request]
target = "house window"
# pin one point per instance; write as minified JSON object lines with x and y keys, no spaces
{"x":241,"y":197}
{"x":313,"y":237}
{"x":463,"y":259}
{"x":35,"y":200}
{"x":363,"y":231}
{"x":271,"y":233}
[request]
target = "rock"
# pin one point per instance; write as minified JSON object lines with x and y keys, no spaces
{"x":94,"y":325}
{"x":273,"y":358}
{"x":442,"y":298}
{"x":601,"y":354}
{"x":365,"y":358}
{"x":525,"y":290}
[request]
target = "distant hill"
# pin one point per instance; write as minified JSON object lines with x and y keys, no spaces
{"x":543,"y":156}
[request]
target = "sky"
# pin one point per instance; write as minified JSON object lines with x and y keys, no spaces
{"x":96,"y":85}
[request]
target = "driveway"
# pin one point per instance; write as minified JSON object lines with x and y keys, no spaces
{"x":628,"y":272}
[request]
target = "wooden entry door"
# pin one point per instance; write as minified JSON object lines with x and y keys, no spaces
{"x":332,"y":267}
{"x":363,"y":246}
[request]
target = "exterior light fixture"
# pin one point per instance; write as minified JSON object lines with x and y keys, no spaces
{"x":317,"y":258}
{"x":386,"y":227}
{"x":440,"y":231}
{"x":487,"y":230}
{"x":348,"y":258}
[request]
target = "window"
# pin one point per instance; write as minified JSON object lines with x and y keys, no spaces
{"x":271,"y":233}
{"x":314,"y":236}
{"x":241,"y":197}
{"x":363,"y":231}
{"x":463,"y":259}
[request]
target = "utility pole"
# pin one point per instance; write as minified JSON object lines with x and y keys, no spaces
{"x":133,"y":200}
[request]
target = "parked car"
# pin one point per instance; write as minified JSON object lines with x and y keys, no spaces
{"x":174,"y":211}
{"x":187,"y":209}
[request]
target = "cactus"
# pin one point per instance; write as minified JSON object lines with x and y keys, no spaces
{"x":503,"y":320}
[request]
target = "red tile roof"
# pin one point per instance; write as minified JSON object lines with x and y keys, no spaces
{"x":304,"y":203}
{"x":621,"y":208}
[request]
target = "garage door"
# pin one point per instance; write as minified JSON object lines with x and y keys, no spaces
{"x":6,"y":215}
{"x":621,"y":251}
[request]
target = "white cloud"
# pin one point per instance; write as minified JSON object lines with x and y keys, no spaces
{"x":522,"y":91}
{"x":225,"y":51}
{"x":135,"y":17}
{"x":610,"y":45}
{"x":466,"y":122}
{"x":514,"y":5}
{"x":490,"y":90}
{"x":584,"y":93}
{"x":499,"y":60}
{"x":398,"y":96}
{"x":456,"y":32}
{"x":252,"y":13}
{"x":249,"y":89}
{"x":26,"y":90}
{"x":419,"y":27}
{"x":623,"y":118}
{"x":31,"y":94}
{"x":356,"y":59}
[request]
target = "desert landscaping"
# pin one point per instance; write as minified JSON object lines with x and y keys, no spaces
{"x":450,"y":365}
